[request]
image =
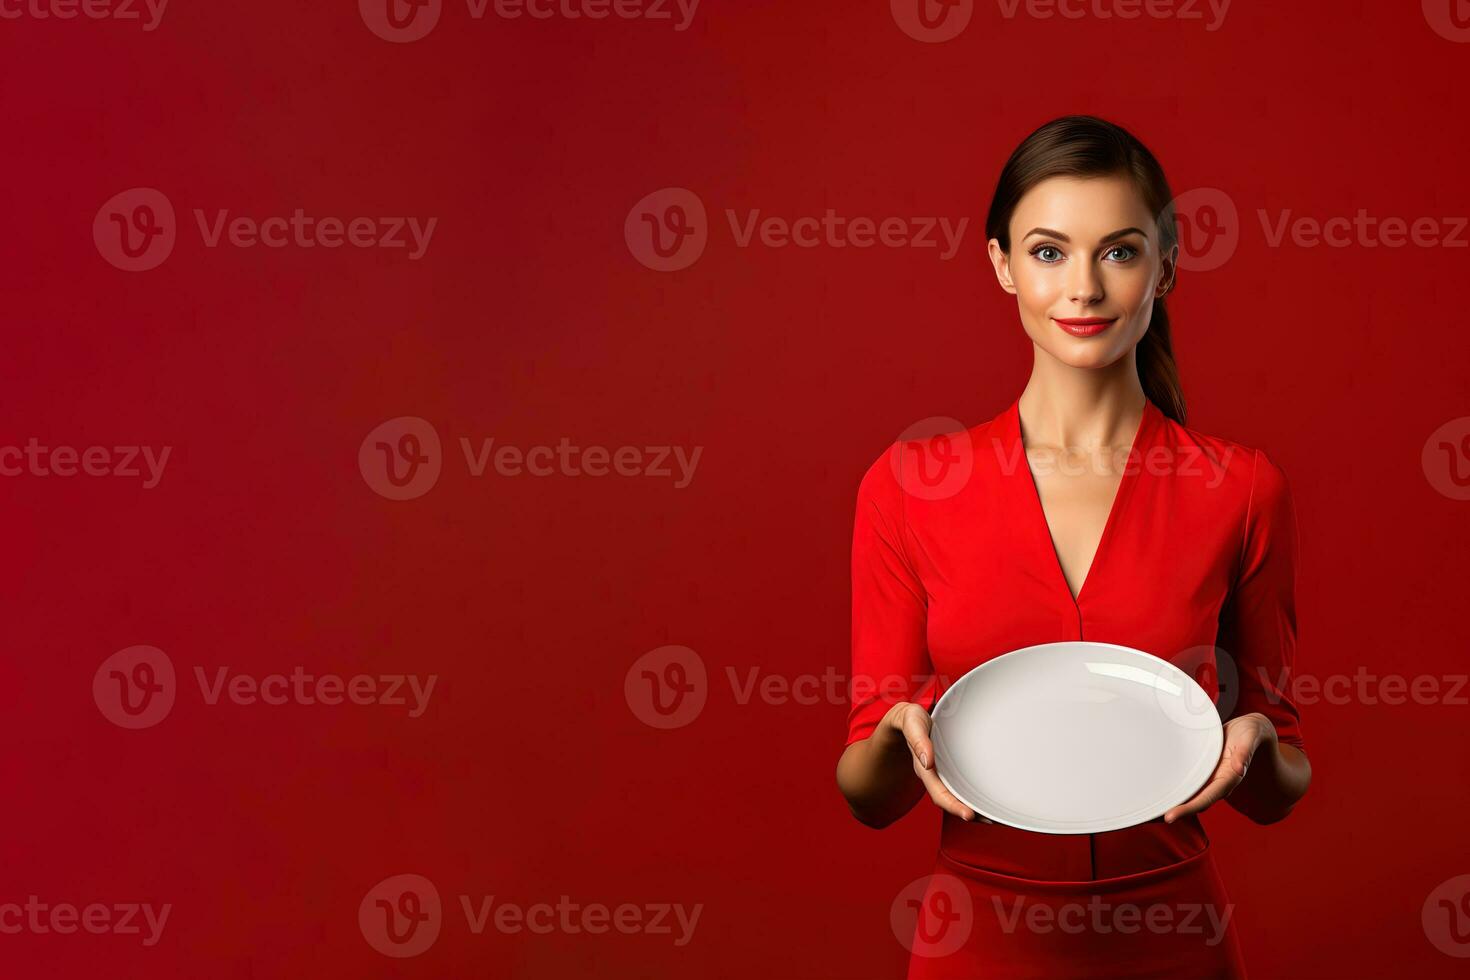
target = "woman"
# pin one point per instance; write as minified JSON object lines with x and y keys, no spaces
{"x":1137,"y":531}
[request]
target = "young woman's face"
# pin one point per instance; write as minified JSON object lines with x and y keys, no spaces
{"x":1084,"y":249}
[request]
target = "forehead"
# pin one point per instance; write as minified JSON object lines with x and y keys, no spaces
{"x":1082,"y":207}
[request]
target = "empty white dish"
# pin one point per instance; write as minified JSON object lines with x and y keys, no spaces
{"x":1075,"y":737}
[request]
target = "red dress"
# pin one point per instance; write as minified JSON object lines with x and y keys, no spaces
{"x":953,"y":564}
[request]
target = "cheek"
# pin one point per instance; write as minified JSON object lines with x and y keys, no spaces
{"x":1037,"y":289}
{"x":1132,"y":290}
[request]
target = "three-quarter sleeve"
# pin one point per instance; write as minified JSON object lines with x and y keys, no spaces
{"x":1258,"y":619}
{"x":890,"y":655}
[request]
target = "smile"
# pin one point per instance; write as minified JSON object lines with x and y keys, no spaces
{"x":1085,"y":326}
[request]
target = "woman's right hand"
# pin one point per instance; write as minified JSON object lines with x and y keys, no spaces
{"x":911,"y":723}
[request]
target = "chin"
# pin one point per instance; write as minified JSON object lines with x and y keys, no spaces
{"x":1079,"y":353}
{"x":1086,"y":360}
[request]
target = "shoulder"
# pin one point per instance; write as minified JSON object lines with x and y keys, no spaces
{"x":1250,"y":465}
{"x":1253,"y":480}
{"x":932,"y":460}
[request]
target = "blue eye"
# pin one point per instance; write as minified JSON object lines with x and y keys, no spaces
{"x":1128,"y":252}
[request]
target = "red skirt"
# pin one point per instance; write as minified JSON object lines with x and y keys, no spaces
{"x":1166,"y":922}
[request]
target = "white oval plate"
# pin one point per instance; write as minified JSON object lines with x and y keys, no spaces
{"x":1075,"y":737}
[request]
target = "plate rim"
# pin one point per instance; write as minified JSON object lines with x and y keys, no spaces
{"x":1216,"y":731}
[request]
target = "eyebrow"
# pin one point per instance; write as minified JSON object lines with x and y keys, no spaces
{"x":1051,"y":233}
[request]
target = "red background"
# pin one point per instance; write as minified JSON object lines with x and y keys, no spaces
{"x":529,"y":320}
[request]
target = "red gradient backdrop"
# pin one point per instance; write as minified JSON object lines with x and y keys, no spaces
{"x":528,"y":319}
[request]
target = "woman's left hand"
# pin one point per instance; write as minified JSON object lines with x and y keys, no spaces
{"x":1243,"y":736}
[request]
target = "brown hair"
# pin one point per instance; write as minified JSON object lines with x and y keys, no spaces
{"x":1085,"y":146}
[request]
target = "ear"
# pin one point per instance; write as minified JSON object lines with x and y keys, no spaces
{"x":1002,"y":263}
{"x":1168,"y":271}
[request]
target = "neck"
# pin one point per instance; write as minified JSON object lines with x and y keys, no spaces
{"x":1083,"y":408}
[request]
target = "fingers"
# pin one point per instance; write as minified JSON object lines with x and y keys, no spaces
{"x":941,"y":796}
{"x":1233,"y":765}
{"x":1215,"y":791}
{"x":915,"y":725}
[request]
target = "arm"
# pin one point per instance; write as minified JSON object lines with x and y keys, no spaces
{"x":1275,"y":778}
{"x":888,"y":764}
{"x":1258,"y":775}
{"x":1264,"y":770}
{"x":885,"y":774}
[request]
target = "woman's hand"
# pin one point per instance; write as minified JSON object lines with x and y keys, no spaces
{"x":1243,"y":737}
{"x":911,"y":723}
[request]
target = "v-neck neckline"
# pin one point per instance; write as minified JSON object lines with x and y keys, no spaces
{"x":1120,"y":496}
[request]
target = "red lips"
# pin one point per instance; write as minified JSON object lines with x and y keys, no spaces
{"x":1085,"y":326}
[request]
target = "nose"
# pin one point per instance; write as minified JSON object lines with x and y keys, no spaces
{"x":1084,"y":286}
